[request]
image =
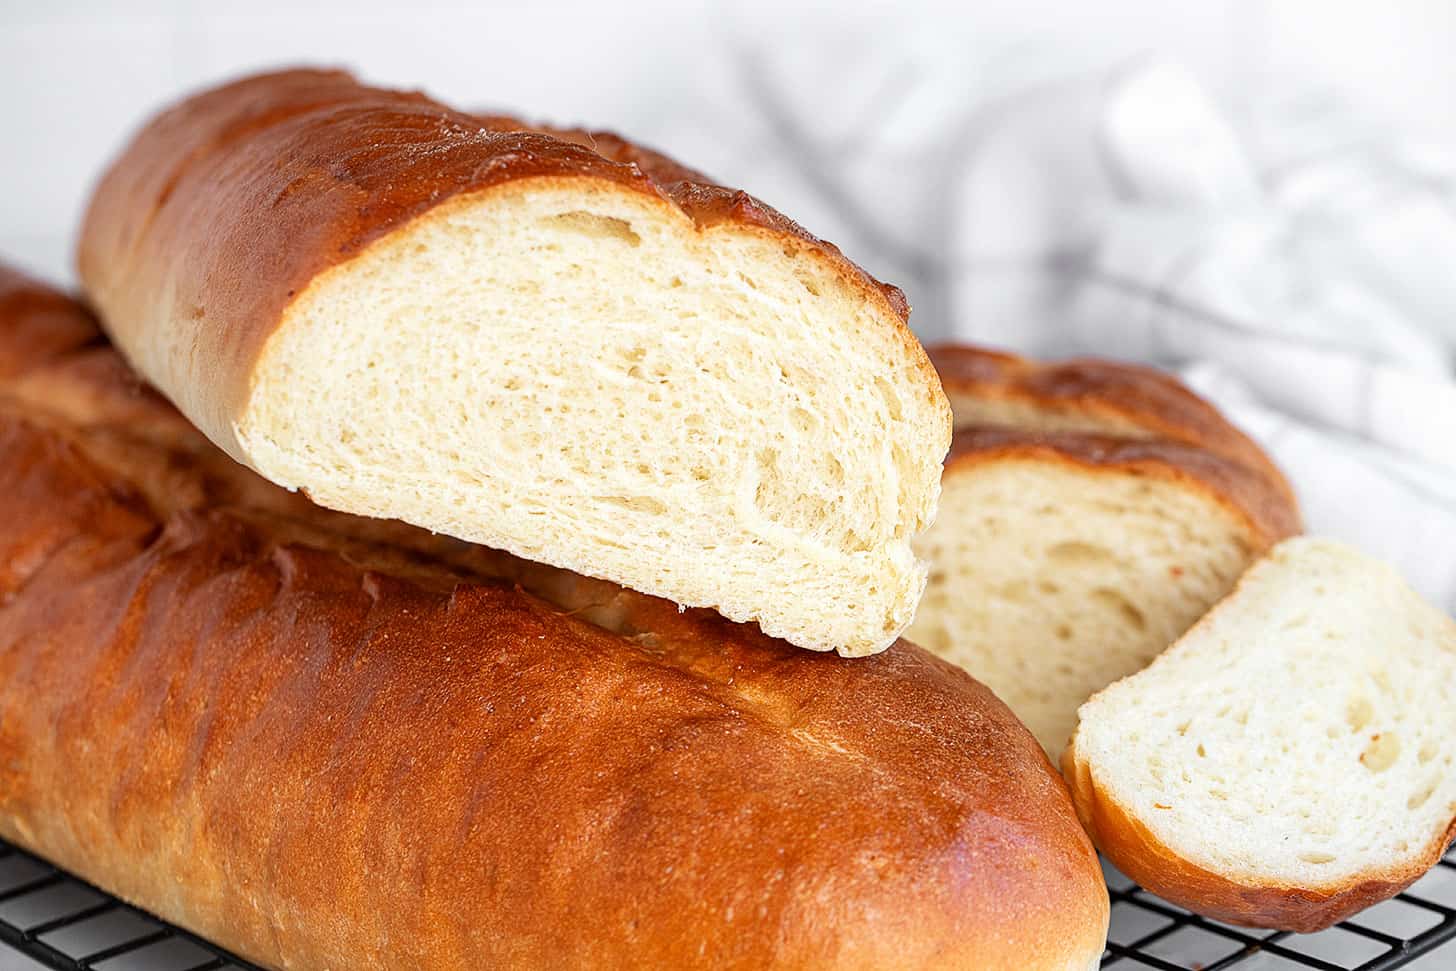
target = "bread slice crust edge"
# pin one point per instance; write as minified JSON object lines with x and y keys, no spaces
{"x":1249,"y":903}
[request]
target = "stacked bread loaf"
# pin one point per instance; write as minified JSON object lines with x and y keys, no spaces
{"x":587,"y":356}
{"x":327,"y":741}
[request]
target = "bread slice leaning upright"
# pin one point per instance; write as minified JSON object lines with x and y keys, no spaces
{"x":551,"y":342}
{"x":1292,"y":759}
{"x":1090,"y":513}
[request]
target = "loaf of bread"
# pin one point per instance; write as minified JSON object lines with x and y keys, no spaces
{"x":550,"y":342}
{"x":1292,"y":759}
{"x":1090,"y":513}
{"x":332,"y":742}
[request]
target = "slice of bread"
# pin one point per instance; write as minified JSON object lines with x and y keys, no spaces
{"x":548,"y":341}
{"x":1292,"y":759}
{"x":1080,"y":533}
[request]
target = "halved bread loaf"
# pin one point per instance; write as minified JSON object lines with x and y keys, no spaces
{"x":550,"y":342}
{"x":1292,"y":759}
{"x":1090,"y":513}
{"x":333,"y":742}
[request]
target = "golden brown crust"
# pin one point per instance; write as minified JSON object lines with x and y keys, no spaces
{"x":42,"y":324}
{"x":326,"y":742}
{"x":225,"y":206}
{"x":1263,"y":505}
{"x":1120,"y":397}
{"x":1154,"y":865}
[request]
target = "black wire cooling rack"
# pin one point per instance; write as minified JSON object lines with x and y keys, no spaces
{"x":62,"y":923}
{"x":59,"y":922}
{"x":1408,"y":931}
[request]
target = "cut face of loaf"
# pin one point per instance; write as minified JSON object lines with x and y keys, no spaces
{"x":1292,"y":759}
{"x":587,"y":356}
{"x":1063,"y":560}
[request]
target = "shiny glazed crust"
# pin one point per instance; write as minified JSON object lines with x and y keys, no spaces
{"x":327,"y":742}
{"x":1118,"y":399}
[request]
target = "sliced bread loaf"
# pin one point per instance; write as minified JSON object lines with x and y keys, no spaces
{"x":551,"y":342}
{"x":1292,"y":759}
{"x":1074,"y":543}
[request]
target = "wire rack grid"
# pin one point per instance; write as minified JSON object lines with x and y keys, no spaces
{"x":1416,"y":929}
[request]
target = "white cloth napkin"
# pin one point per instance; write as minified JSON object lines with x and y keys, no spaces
{"x":1295,"y":263}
